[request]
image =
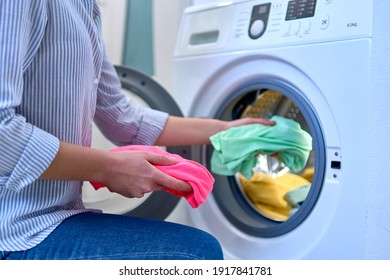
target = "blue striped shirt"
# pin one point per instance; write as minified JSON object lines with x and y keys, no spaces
{"x":55,"y":80}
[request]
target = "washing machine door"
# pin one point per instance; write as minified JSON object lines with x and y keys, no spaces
{"x":275,"y":200}
{"x":141,"y":89}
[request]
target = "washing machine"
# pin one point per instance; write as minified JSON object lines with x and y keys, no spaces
{"x":310,"y":61}
{"x":321,"y":63}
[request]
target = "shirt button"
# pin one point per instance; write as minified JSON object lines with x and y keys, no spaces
{"x":96,"y":81}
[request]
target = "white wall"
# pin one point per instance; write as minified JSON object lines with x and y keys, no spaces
{"x":114,"y":18}
{"x":378,"y":192}
{"x":166,"y":15}
{"x":166,"y":20}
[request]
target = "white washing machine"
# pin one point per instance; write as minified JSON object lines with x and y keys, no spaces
{"x":318,"y":56}
{"x":328,"y":61}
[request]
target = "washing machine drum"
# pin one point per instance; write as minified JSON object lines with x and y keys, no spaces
{"x":274,"y":200}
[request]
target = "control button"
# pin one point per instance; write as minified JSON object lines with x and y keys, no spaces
{"x":257,"y":28}
{"x":306,"y":26}
{"x":325,"y":22}
{"x":328,"y":1}
{"x":297,"y":27}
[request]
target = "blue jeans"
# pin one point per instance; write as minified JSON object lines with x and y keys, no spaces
{"x":97,"y":236}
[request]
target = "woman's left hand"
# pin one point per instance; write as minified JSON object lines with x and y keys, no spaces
{"x":245,"y":121}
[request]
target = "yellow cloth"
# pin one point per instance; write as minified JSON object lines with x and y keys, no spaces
{"x":267,"y":193}
{"x":308,"y":174}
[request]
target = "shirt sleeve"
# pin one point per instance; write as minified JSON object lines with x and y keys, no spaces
{"x":26,"y":151}
{"x":121,"y":121}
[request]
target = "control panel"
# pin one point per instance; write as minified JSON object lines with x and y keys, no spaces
{"x":299,"y":9}
{"x":259,"y":20}
{"x":242,"y":24}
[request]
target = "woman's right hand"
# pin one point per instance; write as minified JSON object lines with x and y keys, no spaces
{"x":133,"y":174}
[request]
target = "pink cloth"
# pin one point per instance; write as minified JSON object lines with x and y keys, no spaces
{"x":195,"y":174}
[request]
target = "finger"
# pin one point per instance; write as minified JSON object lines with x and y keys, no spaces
{"x":174,"y":184}
{"x":246,"y":121}
{"x":267,"y":122}
{"x":157,"y":159}
{"x":261,"y":121}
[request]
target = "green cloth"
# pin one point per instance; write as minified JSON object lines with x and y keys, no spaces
{"x":235,"y":149}
{"x":297,"y":196}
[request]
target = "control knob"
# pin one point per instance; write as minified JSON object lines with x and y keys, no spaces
{"x":257,"y":28}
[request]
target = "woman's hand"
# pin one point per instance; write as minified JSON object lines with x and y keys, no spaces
{"x":245,"y":121}
{"x":133,"y":174}
{"x":193,"y":131}
{"x":129,"y":173}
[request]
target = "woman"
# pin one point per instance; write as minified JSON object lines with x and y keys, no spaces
{"x":55,"y":80}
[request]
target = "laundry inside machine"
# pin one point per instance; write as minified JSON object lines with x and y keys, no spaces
{"x":275,"y":199}
{"x":274,"y":190}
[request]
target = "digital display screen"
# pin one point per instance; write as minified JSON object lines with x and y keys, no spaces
{"x":263,"y":9}
{"x":298,"y":9}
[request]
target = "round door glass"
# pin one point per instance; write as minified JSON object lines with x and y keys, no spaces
{"x":275,"y":199}
{"x":274,"y":190}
